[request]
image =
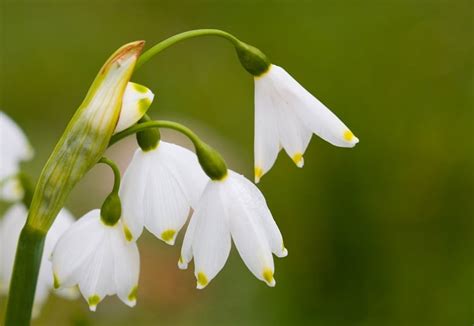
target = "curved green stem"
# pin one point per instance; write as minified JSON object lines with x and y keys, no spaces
{"x":115,"y":170}
{"x":210,"y":160}
{"x":147,"y":55}
{"x":156,"y":124}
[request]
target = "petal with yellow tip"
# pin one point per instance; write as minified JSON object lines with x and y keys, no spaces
{"x":135,"y":103}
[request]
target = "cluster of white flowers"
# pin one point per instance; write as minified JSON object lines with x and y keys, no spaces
{"x":165,"y":182}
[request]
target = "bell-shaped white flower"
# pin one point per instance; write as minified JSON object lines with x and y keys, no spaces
{"x":286,"y":115}
{"x":135,"y":103}
{"x":10,"y":228}
{"x":14,"y":148}
{"x":158,"y":189}
{"x":231,"y":208}
{"x":99,"y":259}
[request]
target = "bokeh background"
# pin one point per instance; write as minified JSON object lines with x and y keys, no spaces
{"x":378,"y":235}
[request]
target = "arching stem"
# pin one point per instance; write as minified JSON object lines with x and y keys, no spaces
{"x":147,"y":55}
{"x":156,"y":124}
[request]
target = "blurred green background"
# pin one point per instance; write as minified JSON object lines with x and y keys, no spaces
{"x":378,"y":235}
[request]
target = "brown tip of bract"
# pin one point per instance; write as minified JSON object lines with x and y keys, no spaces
{"x":126,"y":51}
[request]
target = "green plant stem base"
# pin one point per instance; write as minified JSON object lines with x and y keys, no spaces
{"x":25,"y":276}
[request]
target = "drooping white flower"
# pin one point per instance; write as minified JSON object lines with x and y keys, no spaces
{"x":158,"y":189}
{"x":10,"y":228}
{"x":135,"y":103}
{"x":286,"y":115}
{"x":231,"y":208}
{"x":14,"y":148}
{"x":99,"y":259}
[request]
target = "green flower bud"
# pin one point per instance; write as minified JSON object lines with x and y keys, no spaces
{"x":111,"y":209}
{"x":148,"y":139}
{"x":211,"y":161}
{"x":85,"y":138}
{"x":252,"y":59}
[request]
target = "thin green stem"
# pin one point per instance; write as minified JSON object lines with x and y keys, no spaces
{"x":115,"y":170}
{"x":210,"y":160}
{"x":24,"y":277}
{"x":147,"y":55}
{"x":156,"y":124}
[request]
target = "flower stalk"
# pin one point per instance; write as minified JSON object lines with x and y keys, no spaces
{"x":211,"y":161}
{"x":251,"y":58}
{"x":111,"y":209}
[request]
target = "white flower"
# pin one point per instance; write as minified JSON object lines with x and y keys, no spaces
{"x":286,"y":115}
{"x":158,"y":189}
{"x":233,"y":207}
{"x":14,"y":148}
{"x":99,"y":259}
{"x":10,"y":228}
{"x":135,"y":103}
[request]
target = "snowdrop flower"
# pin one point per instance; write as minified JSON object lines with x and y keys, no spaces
{"x":158,"y":189}
{"x":10,"y":228}
{"x":232,"y":208}
{"x":14,"y":148}
{"x":286,"y":115}
{"x":98,"y":258}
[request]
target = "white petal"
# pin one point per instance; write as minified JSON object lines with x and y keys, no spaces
{"x":126,"y":268}
{"x":247,"y":231}
{"x":12,"y":223}
{"x":132,"y":192}
{"x":187,"y":249}
{"x":294,"y":135}
{"x":75,"y":247}
{"x":211,"y":239}
{"x":165,"y":206}
{"x":41,"y":295}
{"x":318,"y":118}
{"x":14,"y":147}
{"x":61,"y":224}
{"x":273,"y":234}
{"x":136,"y":101}
{"x":267,"y":143}
{"x":184,"y":166}
{"x":97,"y":273}
{"x":11,"y":189}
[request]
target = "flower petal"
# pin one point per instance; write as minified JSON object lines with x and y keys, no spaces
{"x":11,"y":225}
{"x":318,"y":118}
{"x":187,"y":249}
{"x":97,"y":273}
{"x":267,"y":142}
{"x":126,"y":268}
{"x":14,"y":146}
{"x":247,"y":231}
{"x":260,"y":206}
{"x":165,"y":205}
{"x":132,"y":192}
{"x":11,"y":189}
{"x":75,"y":247}
{"x":61,"y":224}
{"x":211,"y":239}
{"x":136,"y":101}
{"x":185,"y":168}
